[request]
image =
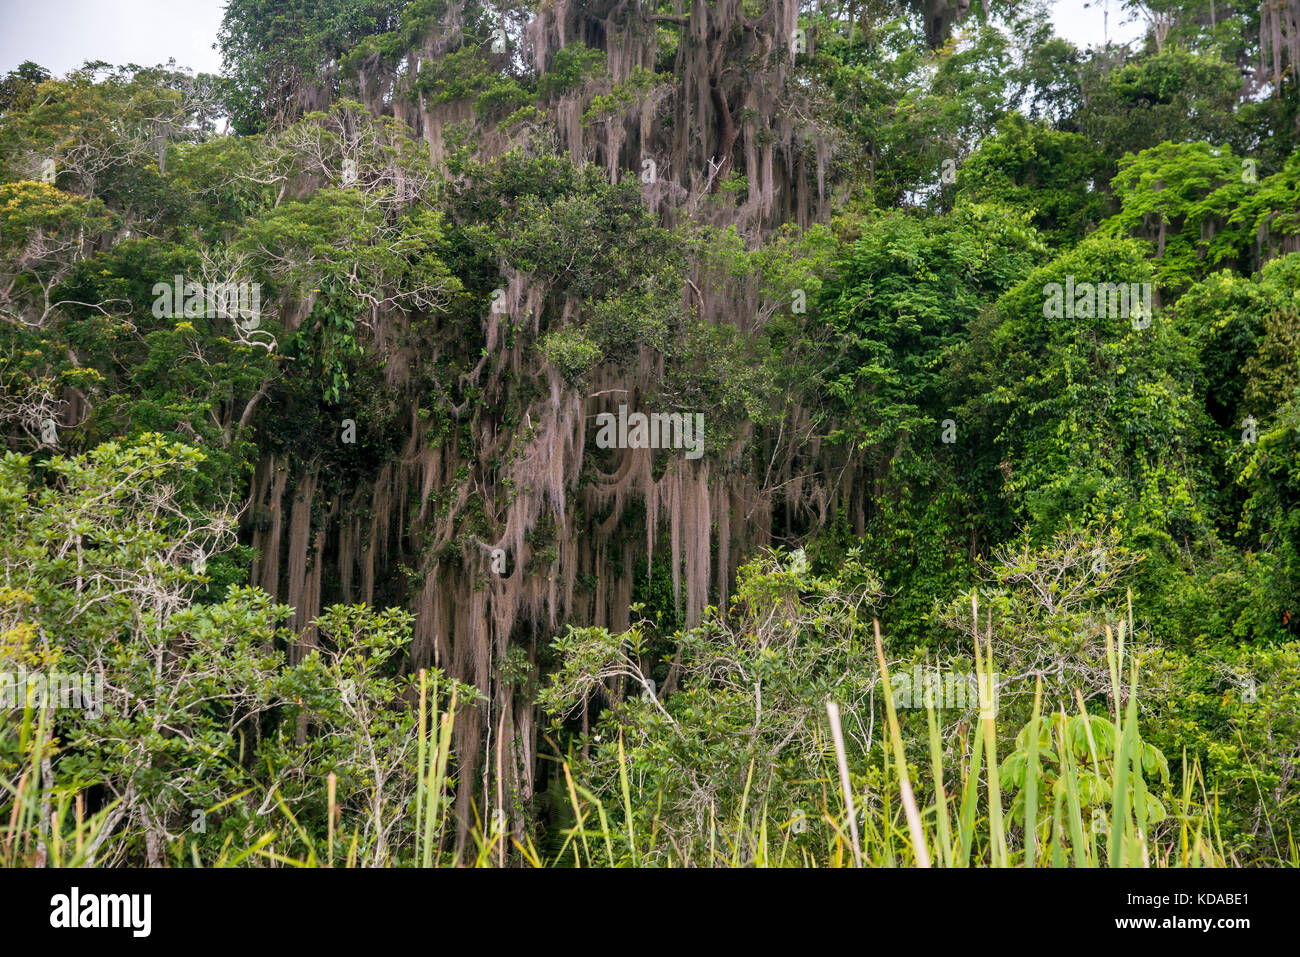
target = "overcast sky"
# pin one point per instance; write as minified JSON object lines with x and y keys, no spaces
{"x":60,"y":35}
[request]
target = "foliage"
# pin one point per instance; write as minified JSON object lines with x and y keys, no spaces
{"x":883,"y":258}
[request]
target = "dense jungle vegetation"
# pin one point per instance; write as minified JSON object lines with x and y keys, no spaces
{"x":991,"y":555}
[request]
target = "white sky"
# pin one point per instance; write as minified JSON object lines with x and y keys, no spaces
{"x":1088,"y":23}
{"x":60,"y":35}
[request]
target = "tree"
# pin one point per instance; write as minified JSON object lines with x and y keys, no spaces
{"x":744,"y":731}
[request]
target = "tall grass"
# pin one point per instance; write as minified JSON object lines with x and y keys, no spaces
{"x":961,"y":820}
{"x":45,"y":826}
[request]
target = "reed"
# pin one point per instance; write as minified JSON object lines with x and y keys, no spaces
{"x":957,"y":818}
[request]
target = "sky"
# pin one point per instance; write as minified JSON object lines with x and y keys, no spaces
{"x":60,"y":35}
